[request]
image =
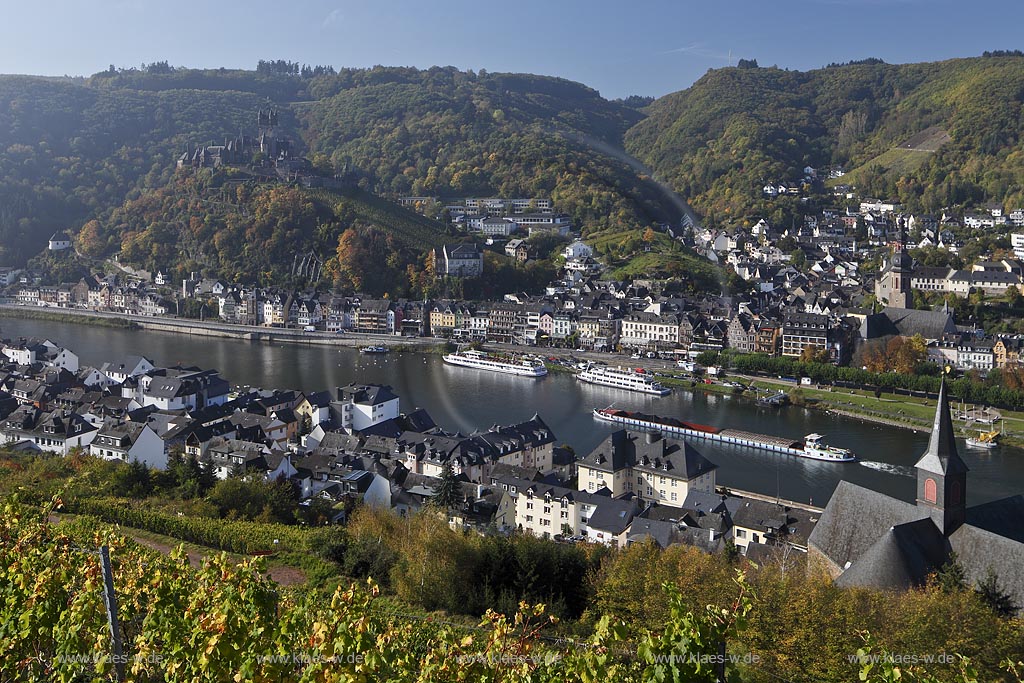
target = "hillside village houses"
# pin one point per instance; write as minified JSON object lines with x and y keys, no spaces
{"x":355,"y":445}
{"x":584,"y":308}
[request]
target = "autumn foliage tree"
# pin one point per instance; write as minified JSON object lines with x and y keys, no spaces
{"x":369,"y":260}
{"x":899,"y":354}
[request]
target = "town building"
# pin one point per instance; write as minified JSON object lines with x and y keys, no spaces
{"x":460,"y":260}
{"x":646,"y":466}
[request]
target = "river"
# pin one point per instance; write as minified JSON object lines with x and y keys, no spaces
{"x":465,"y":399}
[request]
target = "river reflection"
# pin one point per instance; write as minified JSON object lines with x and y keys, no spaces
{"x":466,"y":400}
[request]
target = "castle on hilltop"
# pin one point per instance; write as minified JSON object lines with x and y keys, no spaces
{"x":272,"y":145}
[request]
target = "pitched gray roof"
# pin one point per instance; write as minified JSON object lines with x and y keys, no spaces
{"x":979,"y":550}
{"x":902,"y":558}
{"x":929,"y":324}
{"x":612,"y":515}
{"x":662,"y":533}
{"x":1004,"y":517}
{"x":650,"y":451}
{"x":853,"y":519}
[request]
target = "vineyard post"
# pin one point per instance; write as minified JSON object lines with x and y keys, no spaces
{"x":110,"y":599}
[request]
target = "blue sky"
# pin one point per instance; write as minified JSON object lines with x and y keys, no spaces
{"x":648,"y":47}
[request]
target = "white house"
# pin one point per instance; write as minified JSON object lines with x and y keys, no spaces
{"x":56,"y":432}
{"x":460,"y":260}
{"x":577,"y":250}
{"x":59,"y":241}
{"x":1017,"y":241}
{"x":545,"y":511}
{"x":130,"y":442}
{"x":364,"y":405}
{"x":493,"y":225}
{"x":63,"y":358}
{"x":129,"y":366}
{"x":91,"y":377}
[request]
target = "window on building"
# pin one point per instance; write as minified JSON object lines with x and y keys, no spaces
{"x":930,"y":495}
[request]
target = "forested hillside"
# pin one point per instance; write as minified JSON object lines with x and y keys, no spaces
{"x":100,"y":152}
{"x":735,"y":129}
{"x":70,"y":152}
{"x":447,"y":132}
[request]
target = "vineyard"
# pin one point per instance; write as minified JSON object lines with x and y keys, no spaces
{"x":232,"y":536}
{"x":226,"y":622}
{"x":410,"y":228}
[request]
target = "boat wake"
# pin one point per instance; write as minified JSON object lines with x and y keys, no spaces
{"x":899,"y":470}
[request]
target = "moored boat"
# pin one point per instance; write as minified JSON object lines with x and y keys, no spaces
{"x":509,"y":365}
{"x":374,"y":349}
{"x":986,"y":439}
{"x":623,"y":378}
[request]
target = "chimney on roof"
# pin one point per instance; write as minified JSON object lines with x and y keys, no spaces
{"x":652,"y":437}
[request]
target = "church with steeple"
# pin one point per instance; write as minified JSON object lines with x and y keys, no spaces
{"x":866,"y":538}
{"x":893,"y":285}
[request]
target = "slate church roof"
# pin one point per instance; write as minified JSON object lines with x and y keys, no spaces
{"x":877,"y":541}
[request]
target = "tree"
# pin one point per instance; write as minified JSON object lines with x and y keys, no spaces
{"x":812,"y":353}
{"x":994,"y":596}
{"x":798,"y":259}
{"x":448,"y":492}
{"x":132,"y":480}
{"x":704,"y":636}
{"x":950,"y":578}
{"x":90,"y":239}
{"x":1012,"y":296}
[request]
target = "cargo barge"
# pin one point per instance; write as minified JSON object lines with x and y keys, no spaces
{"x":810,"y":447}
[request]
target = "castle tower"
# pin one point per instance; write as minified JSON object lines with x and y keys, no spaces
{"x":900,"y":272}
{"x":941,"y":474}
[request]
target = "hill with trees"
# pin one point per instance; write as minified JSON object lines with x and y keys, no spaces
{"x":96,"y":156}
{"x":719,"y":141}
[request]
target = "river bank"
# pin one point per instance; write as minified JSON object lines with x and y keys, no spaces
{"x":903,"y":413}
{"x":466,"y":400}
{"x":62,"y":316}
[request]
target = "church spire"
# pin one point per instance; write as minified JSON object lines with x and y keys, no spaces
{"x":941,"y":474}
{"x":942,"y":456}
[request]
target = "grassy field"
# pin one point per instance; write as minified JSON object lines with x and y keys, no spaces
{"x":916,"y":413}
{"x":901,"y":160}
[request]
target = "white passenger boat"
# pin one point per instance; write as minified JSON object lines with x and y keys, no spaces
{"x":623,"y":378}
{"x":509,"y":365}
